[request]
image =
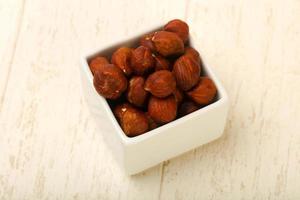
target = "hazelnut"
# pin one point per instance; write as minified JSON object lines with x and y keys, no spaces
{"x":142,"y":60}
{"x":186,"y":72}
{"x":193,"y":53}
{"x":134,"y":122}
{"x":187,"y":107}
{"x":179,"y":27}
{"x":120,"y":109}
{"x":146,"y":41}
{"x":161,"y":83}
{"x":168,"y":43}
{"x":136,"y":93}
{"x":151,"y":122}
{"x":178,"y":95}
{"x":110,"y":82}
{"x":204,"y":92}
{"x":97,"y":62}
{"x":161,"y":63}
{"x":162,"y":110}
{"x":121,"y":58}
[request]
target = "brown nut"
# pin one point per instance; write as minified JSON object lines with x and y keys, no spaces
{"x":161,"y":83}
{"x":146,"y":41}
{"x":161,"y":63}
{"x":97,"y":62}
{"x":168,"y":43}
{"x":136,"y":94}
{"x":187,"y":107}
{"x":110,"y":82}
{"x":204,"y":92}
{"x":178,"y":95}
{"x":162,"y":110}
{"x":186,"y":72}
{"x":151,"y":122}
{"x":193,"y":53}
{"x":134,"y":122}
{"x":120,"y":109}
{"x":179,"y":27}
{"x":142,"y":60}
{"x":121,"y":58}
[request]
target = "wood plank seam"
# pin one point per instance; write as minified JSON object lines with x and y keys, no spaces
{"x":15,"y":43}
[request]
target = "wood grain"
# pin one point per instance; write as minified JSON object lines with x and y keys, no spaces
{"x":253,"y":48}
{"x":11,"y":14}
{"x":50,"y":147}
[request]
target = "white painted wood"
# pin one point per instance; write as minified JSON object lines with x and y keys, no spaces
{"x":50,"y":147}
{"x":11,"y":13}
{"x":254,"y":47}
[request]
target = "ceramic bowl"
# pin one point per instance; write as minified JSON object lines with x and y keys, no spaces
{"x":139,"y":153}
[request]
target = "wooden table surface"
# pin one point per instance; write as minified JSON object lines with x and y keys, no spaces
{"x":50,"y":147}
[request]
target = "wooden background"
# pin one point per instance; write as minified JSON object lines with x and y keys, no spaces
{"x":50,"y":147}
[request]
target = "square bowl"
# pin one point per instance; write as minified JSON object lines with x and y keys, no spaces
{"x":138,"y":153}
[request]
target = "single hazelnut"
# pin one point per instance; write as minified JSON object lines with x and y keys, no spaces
{"x":161,"y":83}
{"x":186,"y":72}
{"x":146,"y":41}
{"x":142,"y":60}
{"x":136,"y":94}
{"x":134,"y":122}
{"x":168,"y":43}
{"x":161,"y":63}
{"x":110,"y":82}
{"x":193,"y":53}
{"x":162,"y":110}
{"x":120,"y":109}
{"x":97,"y":62}
{"x":204,"y":92}
{"x":179,"y":27}
{"x":187,"y":107}
{"x":178,"y":95}
{"x":121,"y":58}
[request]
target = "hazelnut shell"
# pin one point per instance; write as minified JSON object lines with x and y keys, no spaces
{"x":179,"y":27}
{"x":162,"y":110}
{"x":204,"y":92}
{"x":110,"y":82}
{"x":161,"y":83}
{"x":186,"y":72}
{"x":168,"y":43}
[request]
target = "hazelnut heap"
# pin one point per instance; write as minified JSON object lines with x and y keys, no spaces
{"x":156,"y":82}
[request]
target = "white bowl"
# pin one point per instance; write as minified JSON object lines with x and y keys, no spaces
{"x":144,"y":151}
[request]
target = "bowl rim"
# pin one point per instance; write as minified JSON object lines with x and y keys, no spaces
{"x":223,"y":97}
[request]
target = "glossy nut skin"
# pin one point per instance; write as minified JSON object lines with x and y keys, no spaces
{"x":161,"y":83}
{"x":187,"y":107}
{"x":186,"y":72}
{"x":146,"y":41}
{"x":142,"y":60}
{"x":121,"y":58}
{"x":96,"y":63}
{"x":204,"y":92}
{"x":168,"y":43}
{"x":136,"y":94}
{"x":110,"y":82}
{"x":120,"y":109}
{"x":162,"y":110}
{"x":179,"y":27}
{"x":193,"y":53}
{"x":161,"y":63}
{"x":134,"y":122}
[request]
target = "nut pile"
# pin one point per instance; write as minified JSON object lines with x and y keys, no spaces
{"x":154,"y":83}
